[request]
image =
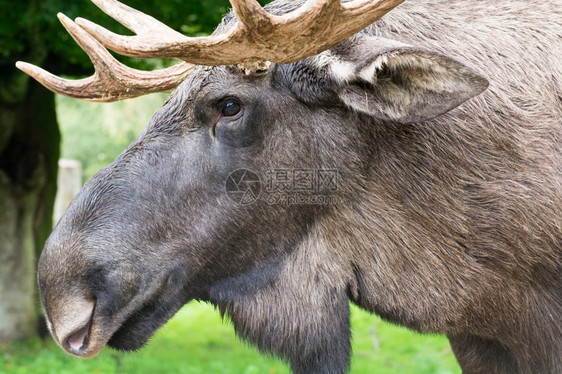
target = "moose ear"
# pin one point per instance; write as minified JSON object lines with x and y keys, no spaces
{"x":401,"y":83}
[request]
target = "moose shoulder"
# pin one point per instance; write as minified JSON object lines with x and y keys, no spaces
{"x":428,"y":151}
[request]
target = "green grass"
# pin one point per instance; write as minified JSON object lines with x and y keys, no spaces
{"x":382,"y":348}
{"x":197,"y":341}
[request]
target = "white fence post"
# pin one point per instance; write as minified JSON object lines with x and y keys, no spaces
{"x":69,"y":182}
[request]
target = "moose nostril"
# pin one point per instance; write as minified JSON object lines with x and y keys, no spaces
{"x":79,"y":339}
{"x":72,"y":321}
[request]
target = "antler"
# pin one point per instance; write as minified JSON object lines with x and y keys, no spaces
{"x":314,"y":27}
{"x":112,"y":80}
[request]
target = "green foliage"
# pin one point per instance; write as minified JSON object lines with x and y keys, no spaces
{"x":196,"y":341}
{"x":12,"y":22}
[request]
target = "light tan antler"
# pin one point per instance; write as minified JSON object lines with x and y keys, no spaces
{"x":112,"y":80}
{"x":314,"y":27}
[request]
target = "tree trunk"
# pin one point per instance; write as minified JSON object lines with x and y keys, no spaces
{"x":29,"y":151}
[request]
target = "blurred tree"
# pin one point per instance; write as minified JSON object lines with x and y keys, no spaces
{"x":29,"y":134}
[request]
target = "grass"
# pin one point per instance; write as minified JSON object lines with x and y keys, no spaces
{"x":197,"y":341}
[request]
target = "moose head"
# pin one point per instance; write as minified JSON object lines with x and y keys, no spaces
{"x":304,"y":88}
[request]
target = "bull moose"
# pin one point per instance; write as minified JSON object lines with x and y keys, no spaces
{"x":443,"y":123}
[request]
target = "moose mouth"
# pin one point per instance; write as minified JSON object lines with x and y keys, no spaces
{"x":130,"y":335}
{"x":141,"y":326}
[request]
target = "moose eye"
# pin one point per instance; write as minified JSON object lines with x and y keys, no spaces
{"x":230,"y":108}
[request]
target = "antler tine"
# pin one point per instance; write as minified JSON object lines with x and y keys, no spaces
{"x":72,"y":88}
{"x":133,"y":19}
{"x":112,"y":80}
{"x":95,"y":89}
{"x":251,"y":15}
{"x":152,"y":35}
